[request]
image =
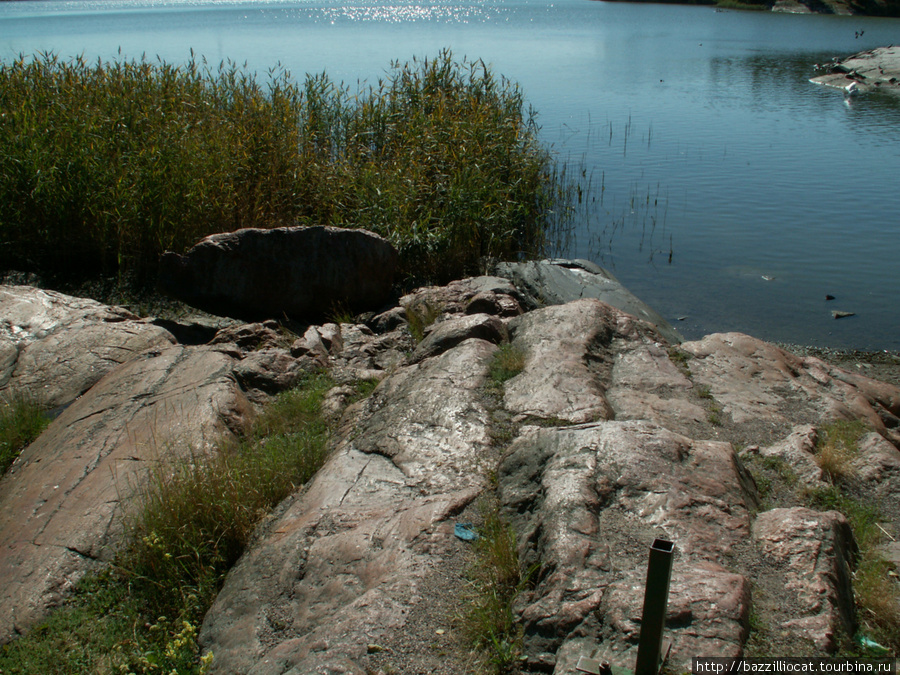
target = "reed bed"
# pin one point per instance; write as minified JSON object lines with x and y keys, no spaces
{"x":105,"y":165}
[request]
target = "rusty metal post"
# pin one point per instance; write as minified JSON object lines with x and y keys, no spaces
{"x":656,"y":600}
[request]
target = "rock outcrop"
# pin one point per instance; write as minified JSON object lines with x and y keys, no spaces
{"x":612,"y":434}
{"x":556,"y":282}
{"x":298,"y":273}
{"x":60,"y":501}
{"x":55,"y":347}
{"x":612,"y":437}
{"x":872,"y":70}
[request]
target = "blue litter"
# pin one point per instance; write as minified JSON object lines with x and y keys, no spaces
{"x":871,"y":645}
{"x":465,"y":531}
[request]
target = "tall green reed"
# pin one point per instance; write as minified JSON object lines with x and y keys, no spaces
{"x":105,"y":165}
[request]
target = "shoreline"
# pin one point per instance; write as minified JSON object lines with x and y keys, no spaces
{"x":873,"y":8}
{"x":867,"y":71}
{"x":878,"y":364}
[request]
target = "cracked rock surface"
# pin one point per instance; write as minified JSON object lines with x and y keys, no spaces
{"x":60,"y":501}
{"x":610,"y":436}
{"x":55,"y":346}
{"x":617,"y":437}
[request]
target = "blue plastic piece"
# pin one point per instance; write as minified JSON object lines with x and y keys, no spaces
{"x":465,"y":531}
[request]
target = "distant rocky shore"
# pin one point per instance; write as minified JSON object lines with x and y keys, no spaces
{"x":868,"y":71}
{"x":841,"y":7}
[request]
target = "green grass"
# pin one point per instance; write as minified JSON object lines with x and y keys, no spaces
{"x":508,"y":362}
{"x":488,"y":621}
{"x":420,"y":314}
{"x":187,"y":525}
{"x":22,"y":419}
{"x":105,"y":165}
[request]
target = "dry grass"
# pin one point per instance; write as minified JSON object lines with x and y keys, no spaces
{"x":837,"y":448}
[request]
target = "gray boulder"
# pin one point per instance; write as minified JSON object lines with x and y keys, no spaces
{"x":293,"y":272}
{"x":556,"y":282}
{"x":447,"y":334}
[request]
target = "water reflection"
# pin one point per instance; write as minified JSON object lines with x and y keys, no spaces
{"x":703,"y":147}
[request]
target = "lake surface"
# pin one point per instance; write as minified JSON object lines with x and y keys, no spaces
{"x":730,"y":193}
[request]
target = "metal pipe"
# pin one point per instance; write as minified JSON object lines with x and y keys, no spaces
{"x":656,"y":600}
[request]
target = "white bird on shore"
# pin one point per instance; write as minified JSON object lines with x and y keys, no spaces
{"x":851,"y":89}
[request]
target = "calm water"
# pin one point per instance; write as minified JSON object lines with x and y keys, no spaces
{"x":699,"y":129}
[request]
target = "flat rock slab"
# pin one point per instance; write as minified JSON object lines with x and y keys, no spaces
{"x":875,"y":69}
{"x":346,"y":564}
{"x":587,"y":360}
{"x":756,"y":381}
{"x":293,"y":272}
{"x":55,"y":346}
{"x":61,"y":501}
{"x":556,"y":382}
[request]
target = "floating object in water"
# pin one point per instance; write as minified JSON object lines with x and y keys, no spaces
{"x":829,"y":297}
{"x":851,"y":89}
{"x":766,"y":277}
{"x":837,"y":314}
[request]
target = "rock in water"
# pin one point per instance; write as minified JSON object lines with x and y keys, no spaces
{"x":293,"y":272}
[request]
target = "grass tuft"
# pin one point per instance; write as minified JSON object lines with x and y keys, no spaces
{"x":194,"y":515}
{"x":508,"y":362}
{"x":489,"y":622}
{"x":837,"y":447}
{"x":420,"y":314}
{"x":22,"y":419}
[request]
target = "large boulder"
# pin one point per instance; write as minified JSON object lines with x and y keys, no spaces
{"x":290,"y":272}
{"x":55,"y":346}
